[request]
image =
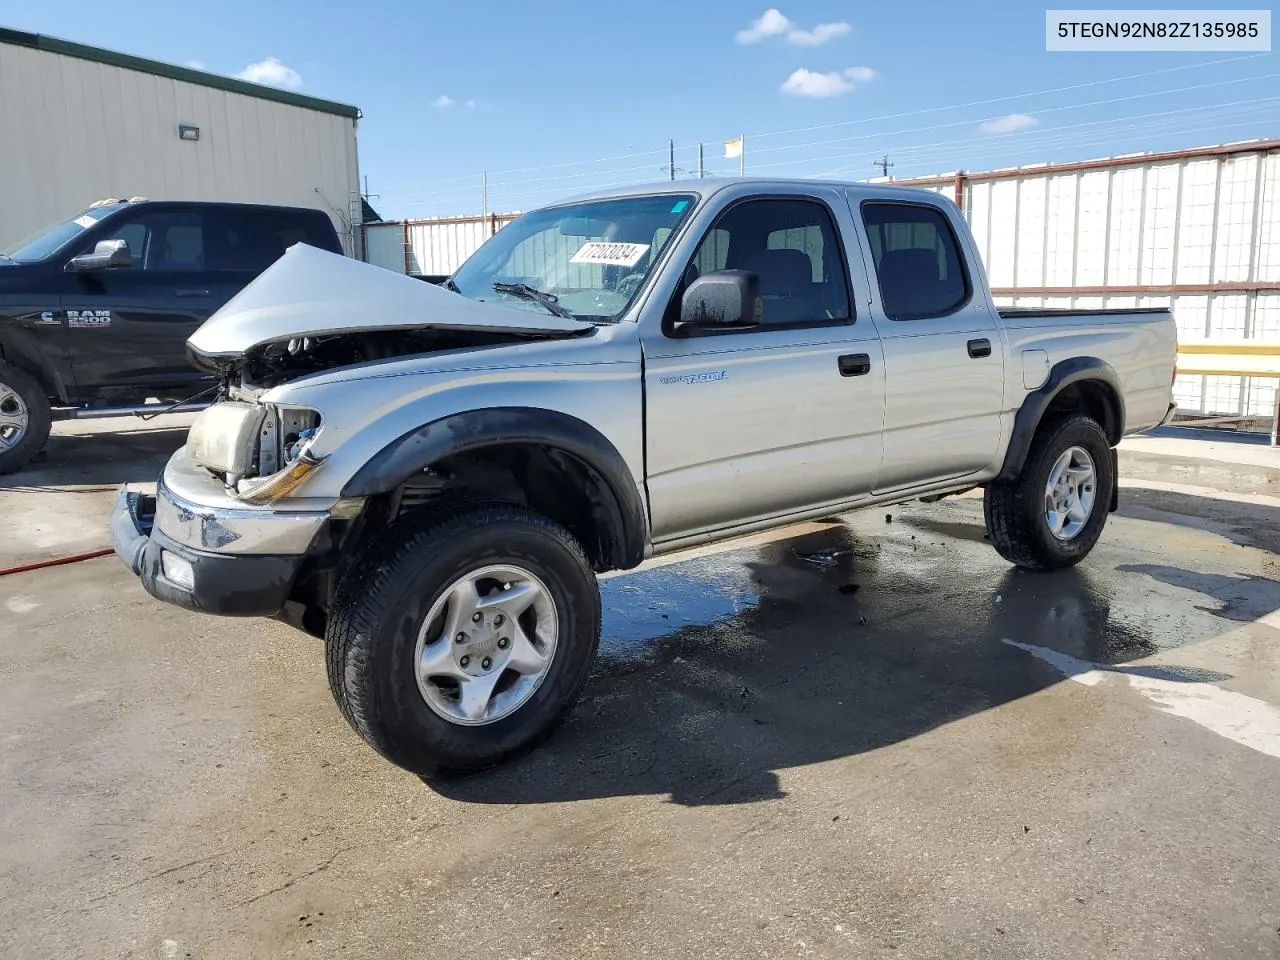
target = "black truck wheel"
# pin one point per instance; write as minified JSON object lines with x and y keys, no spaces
{"x":1051,"y":515}
{"x":460,"y":641}
{"x":25,"y":418}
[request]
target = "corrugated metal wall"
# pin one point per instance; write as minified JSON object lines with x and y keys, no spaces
{"x":73,"y":131}
{"x":430,"y":248}
{"x":1197,"y":231}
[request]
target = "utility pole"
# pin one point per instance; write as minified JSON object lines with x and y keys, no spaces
{"x":701,"y":169}
{"x":671,"y":158}
{"x":883,"y":164}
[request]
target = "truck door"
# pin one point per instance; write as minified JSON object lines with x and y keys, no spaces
{"x":758,"y":423}
{"x":128,"y":326}
{"x":943,"y":357}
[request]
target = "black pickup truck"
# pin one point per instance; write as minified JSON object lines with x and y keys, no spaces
{"x":95,"y":311}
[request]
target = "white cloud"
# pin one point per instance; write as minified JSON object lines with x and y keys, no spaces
{"x":196,"y":64}
{"x":470,"y":103}
{"x":808,"y":83}
{"x":819,"y":34}
{"x":773,"y":23}
{"x":442,"y":102}
{"x":1010,"y":124}
{"x":272,"y":73}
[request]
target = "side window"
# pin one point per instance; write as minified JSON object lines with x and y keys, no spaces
{"x":791,"y":246}
{"x":917,"y":260}
{"x":163,"y":241}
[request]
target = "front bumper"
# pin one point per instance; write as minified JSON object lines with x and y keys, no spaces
{"x":228,"y":576}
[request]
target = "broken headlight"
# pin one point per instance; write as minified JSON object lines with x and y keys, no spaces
{"x":284,"y":457}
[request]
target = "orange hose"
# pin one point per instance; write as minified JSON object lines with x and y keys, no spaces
{"x":56,"y":561}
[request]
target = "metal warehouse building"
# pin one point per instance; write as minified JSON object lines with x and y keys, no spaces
{"x":79,"y":124}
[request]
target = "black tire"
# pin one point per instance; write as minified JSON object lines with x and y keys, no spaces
{"x":39,"y":418}
{"x":379,"y":609}
{"x":1014,"y":510}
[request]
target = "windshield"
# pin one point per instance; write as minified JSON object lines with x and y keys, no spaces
{"x":49,"y":240}
{"x":591,"y":257}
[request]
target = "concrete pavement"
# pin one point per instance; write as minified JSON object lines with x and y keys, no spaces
{"x":866,"y":739}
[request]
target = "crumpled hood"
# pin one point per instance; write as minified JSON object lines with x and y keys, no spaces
{"x":310,"y":292}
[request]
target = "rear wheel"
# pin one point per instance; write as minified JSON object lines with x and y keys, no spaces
{"x":1051,"y":516}
{"x":460,"y":642}
{"x":25,"y":418}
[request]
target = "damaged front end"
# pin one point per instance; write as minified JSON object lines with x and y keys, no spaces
{"x":232,"y":527}
{"x":314,"y":312}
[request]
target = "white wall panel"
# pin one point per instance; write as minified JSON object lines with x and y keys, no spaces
{"x":1237,"y":197}
{"x":978,"y":210}
{"x":1124,"y":227}
{"x":73,"y":131}
{"x":1159,"y":224}
{"x":1267,"y":265}
{"x":1029,"y":263}
{"x":1196,"y":218}
{"x":1091,"y":230}
{"x":1060,"y":242}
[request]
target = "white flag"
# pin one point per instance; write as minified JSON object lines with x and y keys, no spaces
{"x":733,"y":148}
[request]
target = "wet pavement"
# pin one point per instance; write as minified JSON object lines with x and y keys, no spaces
{"x":866,"y":737}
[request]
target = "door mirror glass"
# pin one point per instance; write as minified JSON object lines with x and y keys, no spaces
{"x":106,"y":255}
{"x":723,"y":300}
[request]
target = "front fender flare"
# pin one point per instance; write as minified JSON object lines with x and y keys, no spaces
{"x":1031,"y":413}
{"x":418,"y":449}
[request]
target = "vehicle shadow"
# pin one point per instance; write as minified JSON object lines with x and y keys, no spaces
{"x":129,"y":454}
{"x":806,"y":669}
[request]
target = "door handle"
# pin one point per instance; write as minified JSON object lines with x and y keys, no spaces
{"x":979,"y":348}
{"x":854,"y":364}
{"x":191,"y":293}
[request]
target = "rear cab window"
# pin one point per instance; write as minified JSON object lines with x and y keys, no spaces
{"x":918,"y":265}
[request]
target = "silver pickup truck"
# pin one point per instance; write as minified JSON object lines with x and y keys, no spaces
{"x":430,"y":477}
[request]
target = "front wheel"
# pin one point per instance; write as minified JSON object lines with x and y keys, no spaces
{"x":25,"y":418}
{"x":459,"y":643}
{"x":1051,"y":516}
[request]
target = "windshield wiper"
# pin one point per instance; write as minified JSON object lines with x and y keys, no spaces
{"x":526,"y":292}
{"x":450,"y":285}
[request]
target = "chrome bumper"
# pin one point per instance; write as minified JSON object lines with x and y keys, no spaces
{"x":246,"y":530}
{"x":235,"y":561}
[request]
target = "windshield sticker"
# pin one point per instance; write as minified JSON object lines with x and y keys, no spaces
{"x":679,"y":207}
{"x":610,"y":254}
{"x":86,"y":221}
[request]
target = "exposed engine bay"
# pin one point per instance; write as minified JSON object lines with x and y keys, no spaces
{"x":280,"y":361}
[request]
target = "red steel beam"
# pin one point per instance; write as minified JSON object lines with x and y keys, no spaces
{"x":1137,"y":160}
{"x":1233,"y":286}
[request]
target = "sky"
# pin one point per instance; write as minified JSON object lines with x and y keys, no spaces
{"x":556,"y":98}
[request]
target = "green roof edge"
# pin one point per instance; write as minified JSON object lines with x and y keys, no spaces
{"x":112,"y":58}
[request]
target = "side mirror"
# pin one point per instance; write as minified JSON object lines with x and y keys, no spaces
{"x":724,"y":300}
{"x":107,"y":254}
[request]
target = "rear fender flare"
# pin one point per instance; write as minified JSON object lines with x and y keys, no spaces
{"x":1030,"y":415}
